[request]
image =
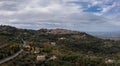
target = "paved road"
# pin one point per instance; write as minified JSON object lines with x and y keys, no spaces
{"x":13,"y":56}
{"x":10,"y":57}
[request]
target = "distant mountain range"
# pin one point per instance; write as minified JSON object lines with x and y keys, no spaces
{"x":107,"y":35}
{"x":15,"y":31}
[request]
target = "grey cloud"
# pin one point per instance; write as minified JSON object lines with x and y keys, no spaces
{"x":45,"y":13}
{"x":12,"y":4}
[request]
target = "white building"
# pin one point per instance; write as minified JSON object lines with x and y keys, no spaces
{"x":41,"y":57}
{"x":53,"y":43}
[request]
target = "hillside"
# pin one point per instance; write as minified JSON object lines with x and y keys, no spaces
{"x":69,"y":48}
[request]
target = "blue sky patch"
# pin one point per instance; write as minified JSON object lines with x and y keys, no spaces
{"x":93,"y":9}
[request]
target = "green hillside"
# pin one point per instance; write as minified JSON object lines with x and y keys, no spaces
{"x":69,"y":48}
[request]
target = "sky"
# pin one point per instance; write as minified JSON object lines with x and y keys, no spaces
{"x":81,"y":15}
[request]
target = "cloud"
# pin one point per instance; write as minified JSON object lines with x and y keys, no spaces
{"x":56,"y":13}
{"x":115,"y":19}
{"x":108,"y":8}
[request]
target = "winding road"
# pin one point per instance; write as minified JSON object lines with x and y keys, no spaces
{"x":10,"y":57}
{"x":13,"y":56}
